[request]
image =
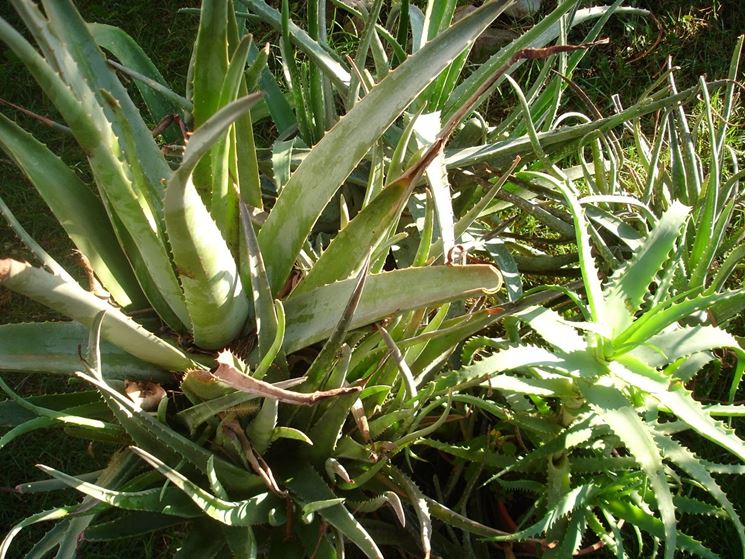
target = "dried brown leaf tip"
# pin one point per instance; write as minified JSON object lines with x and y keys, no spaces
{"x":231,"y":376}
{"x":145,"y":394}
{"x":545,"y":52}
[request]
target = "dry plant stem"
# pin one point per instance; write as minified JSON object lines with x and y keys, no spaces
{"x":43,"y":119}
{"x":259,"y":466}
{"x":233,"y":377}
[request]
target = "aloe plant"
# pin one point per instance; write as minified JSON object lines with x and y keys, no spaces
{"x":601,"y":401}
{"x":190,"y":240}
{"x":269,"y":363}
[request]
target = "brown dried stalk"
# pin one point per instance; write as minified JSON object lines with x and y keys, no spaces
{"x":233,"y":377}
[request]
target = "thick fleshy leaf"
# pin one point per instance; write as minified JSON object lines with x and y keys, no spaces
{"x":313,"y":184}
{"x":168,"y":502}
{"x":148,"y":432}
{"x":240,"y":513}
{"x":52,"y":347}
{"x":699,"y":471}
{"x":130,"y":54}
{"x":130,"y":211}
{"x":426,"y":128}
{"x":668,"y":346}
{"x":548,"y":29}
{"x":312,"y":316}
{"x":315,"y":52}
{"x":610,"y":404}
{"x":66,"y":23}
{"x":343,"y":257}
{"x":79,"y":212}
{"x":309,"y":487}
{"x":663,"y":315}
{"x":628,"y":285}
{"x":218,"y":306}
{"x":73,"y":301}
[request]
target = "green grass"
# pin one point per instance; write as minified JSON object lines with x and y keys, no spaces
{"x":699,"y":35}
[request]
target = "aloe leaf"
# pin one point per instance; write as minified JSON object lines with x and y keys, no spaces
{"x":417,"y":500}
{"x":360,"y":58}
{"x":274,"y":350}
{"x":315,"y":52}
{"x":67,"y":24}
{"x":309,"y":487}
{"x":218,"y":307}
{"x":12,"y":414}
{"x":504,"y":151}
{"x":463,"y":223}
{"x":224,"y":197}
{"x":426,"y":128}
{"x":208,"y":68}
{"x":241,"y":542}
{"x":327,"y":429}
{"x":149,"y":432}
{"x":71,"y":300}
{"x":313,"y":184}
{"x":577,"y":498}
{"x":519,"y":357}
{"x":169,"y":501}
{"x":469,"y":453}
{"x":66,"y":416}
{"x":119,"y":469}
{"x":610,"y":404}
{"x":130,"y":54}
{"x":295,"y":81}
{"x":130,"y":525}
{"x":595,"y":298}
{"x":704,"y":244}
{"x":78,"y":211}
{"x":245,"y":145}
{"x":53,"y":514}
{"x":660,"y":317}
{"x":210,"y":59}
{"x":24,"y":428}
{"x":628,"y":285}
{"x":540,"y":35}
{"x":263,"y":305}
{"x":239,"y":513}
{"x":291,"y":434}
{"x":48,"y":485}
{"x":194,"y":416}
{"x":682,"y":404}
{"x":130,"y":211}
{"x":41,"y":255}
{"x":318,"y":373}
{"x":313,"y":316}
{"x":342,"y":258}
{"x":553,"y":328}
{"x":668,"y":346}
{"x":261,"y":429}
{"x":694,"y":467}
{"x":655,"y":527}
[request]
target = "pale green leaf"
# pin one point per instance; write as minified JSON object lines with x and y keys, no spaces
{"x":254,"y":510}
{"x":625,"y":290}
{"x":313,"y":316}
{"x":313,"y":184}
